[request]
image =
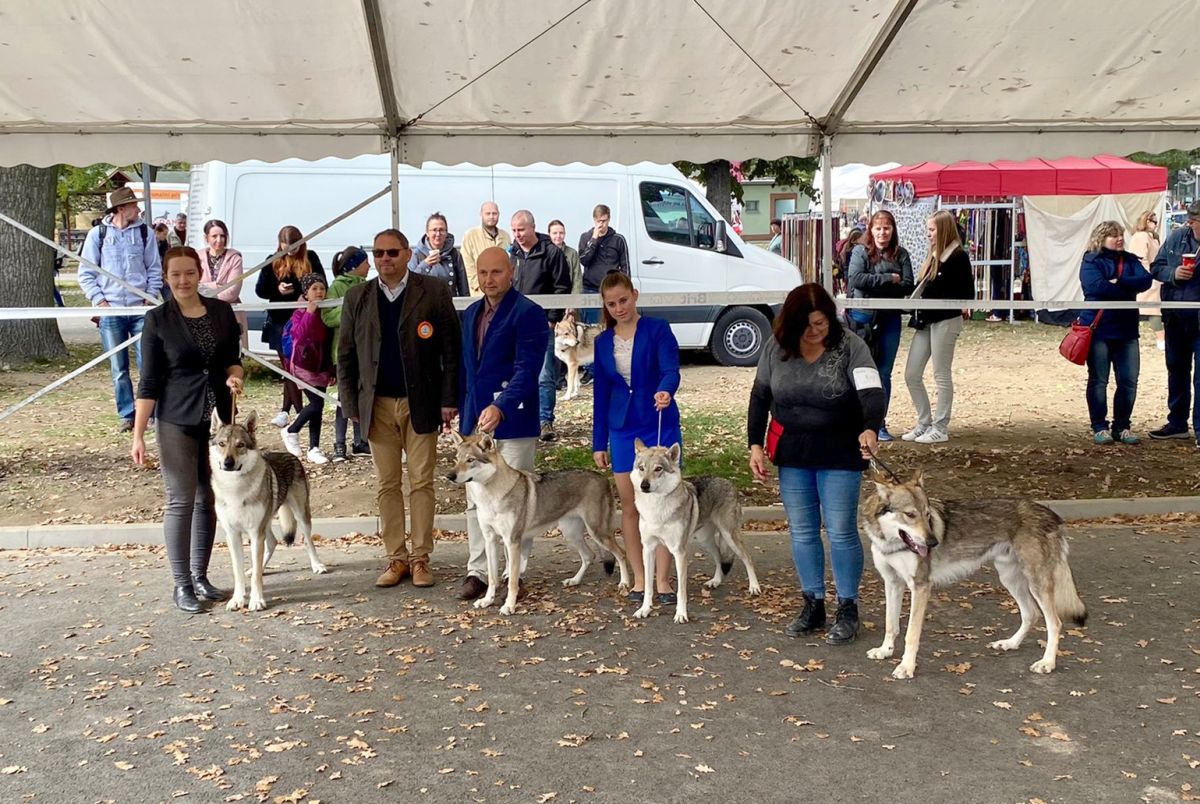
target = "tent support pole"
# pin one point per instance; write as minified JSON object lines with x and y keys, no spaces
{"x":826,"y":213}
{"x":395,"y":186}
{"x":149,"y":215}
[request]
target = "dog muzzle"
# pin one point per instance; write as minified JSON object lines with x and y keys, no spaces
{"x":920,"y":548}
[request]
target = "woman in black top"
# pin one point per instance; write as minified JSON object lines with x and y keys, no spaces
{"x":191,"y":365}
{"x":946,"y":274}
{"x":280,"y":282}
{"x":824,"y":395}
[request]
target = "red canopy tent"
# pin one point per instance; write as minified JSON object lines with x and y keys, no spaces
{"x":1101,"y":175}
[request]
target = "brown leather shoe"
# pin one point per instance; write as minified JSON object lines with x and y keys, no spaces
{"x":421,"y":574}
{"x":396,"y":572}
{"x":472,"y":588}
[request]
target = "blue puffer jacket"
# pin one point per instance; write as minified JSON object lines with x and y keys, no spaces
{"x":1098,"y":276}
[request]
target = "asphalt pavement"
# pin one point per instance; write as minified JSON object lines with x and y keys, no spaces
{"x":343,"y":692}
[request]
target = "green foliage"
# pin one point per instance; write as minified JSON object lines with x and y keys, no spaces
{"x":788,"y":171}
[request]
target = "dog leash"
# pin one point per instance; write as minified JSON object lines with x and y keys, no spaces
{"x":658,"y":440}
{"x":875,"y":459}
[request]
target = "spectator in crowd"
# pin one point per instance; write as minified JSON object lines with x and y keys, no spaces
{"x":881,"y":270}
{"x":162,"y":237}
{"x":1180,"y":283}
{"x":821,"y":391}
{"x":280,"y":282}
{"x":776,"y":244}
{"x":558,"y":236}
{"x":398,"y":353}
{"x":222,"y":265}
{"x":504,"y":335}
{"x":946,"y":274}
{"x":1110,"y":273}
{"x":312,"y":362}
{"x":601,"y":251}
{"x":350,"y":268}
{"x":178,"y":234}
{"x":1145,"y":245}
{"x":634,"y":398}
{"x":123,"y":247}
{"x":842,"y":252}
{"x":487,"y":234}
{"x":192,"y":368}
{"x":436,"y":256}
{"x":540,"y":269}
{"x":58,"y":265}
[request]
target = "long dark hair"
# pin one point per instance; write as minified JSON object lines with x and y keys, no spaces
{"x":340,"y":259}
{"x":874,"y":253}
{"x":616,"y":279}
{"x":792,"y":320}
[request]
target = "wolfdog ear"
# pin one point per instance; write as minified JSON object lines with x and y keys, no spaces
{"x":251,"y":422}
{"x":485,"y":442}
{"x":216,"y":421}
{"x":455,"y":437}
{"x":917,"y":478}
{"x":638,"y":446}
{"x":674,"y":452}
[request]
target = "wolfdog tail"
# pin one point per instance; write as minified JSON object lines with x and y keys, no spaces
{"x":1066,"y":597}
{"x":287,"y":521}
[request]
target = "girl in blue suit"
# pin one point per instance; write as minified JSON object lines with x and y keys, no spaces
{"x":636,"y":376}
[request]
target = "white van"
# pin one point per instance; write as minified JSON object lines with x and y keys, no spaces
{"x":677,"y":242}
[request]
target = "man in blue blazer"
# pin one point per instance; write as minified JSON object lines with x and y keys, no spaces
{"x":503,"y":349}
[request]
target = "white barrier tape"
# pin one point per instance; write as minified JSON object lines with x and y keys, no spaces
{"x":281,"y":372}
{"x":82,"y":261}
{"x":64,"y":380}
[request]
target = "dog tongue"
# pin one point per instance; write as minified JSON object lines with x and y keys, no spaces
{"x":922,"y":550}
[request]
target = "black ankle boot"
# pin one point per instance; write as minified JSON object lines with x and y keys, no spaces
{"x":185,"y":599}
{"x":206,"y":591}
{"x":810,"y":619}
{"x":845,"y":625}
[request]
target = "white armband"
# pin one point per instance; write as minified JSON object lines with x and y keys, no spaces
{"x":867,"y":377}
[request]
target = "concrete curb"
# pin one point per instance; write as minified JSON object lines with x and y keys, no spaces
{"x":40,"y":536}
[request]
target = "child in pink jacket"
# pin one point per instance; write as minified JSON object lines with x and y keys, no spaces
{"x":311,"y":360}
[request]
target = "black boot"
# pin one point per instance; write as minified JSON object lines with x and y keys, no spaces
{"x":185,"y":599}
{"x":811,"y":618}
{"x":845,"y":625}
{"x":206,"y":591}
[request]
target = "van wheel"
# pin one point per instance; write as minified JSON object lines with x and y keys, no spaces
{"x":739,"y":336}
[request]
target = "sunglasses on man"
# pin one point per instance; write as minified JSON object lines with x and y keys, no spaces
{"x":391,"y":252}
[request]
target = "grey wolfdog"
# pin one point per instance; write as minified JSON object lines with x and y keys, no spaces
{"x":675,"y":511}
{"x":575,"y":345}
{"x":249,"y":487}
{"x":920,"y":542}
{"x":514,"y":505}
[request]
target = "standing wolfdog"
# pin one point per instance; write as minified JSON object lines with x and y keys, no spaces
{"x":919,"y":542}
{"x":514,"y":505}
{"x":249,"y":487}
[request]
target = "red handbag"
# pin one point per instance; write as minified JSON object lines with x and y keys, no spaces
{"x":774,"y":433}
{"x":1078,"y":342}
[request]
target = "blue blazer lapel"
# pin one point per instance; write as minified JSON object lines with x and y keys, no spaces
{"x":641,"y":350}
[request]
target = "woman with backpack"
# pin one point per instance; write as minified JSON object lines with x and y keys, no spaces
{"x":311,"y":360}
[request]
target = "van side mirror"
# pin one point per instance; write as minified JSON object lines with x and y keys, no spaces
{"x":719,"y":244}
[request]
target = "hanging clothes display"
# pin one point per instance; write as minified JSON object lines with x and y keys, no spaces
{"x":802,"y":239}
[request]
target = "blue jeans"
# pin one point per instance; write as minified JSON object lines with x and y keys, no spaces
{"x":1183,"y":354}
{"x":808,"y":495}
{"x":548,"y":382}
{"x":115,"y":329}
{"x":1123,"y":357}
{"x":885,"y":347}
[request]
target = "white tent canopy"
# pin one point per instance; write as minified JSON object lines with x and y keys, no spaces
{"x":453,"y":81}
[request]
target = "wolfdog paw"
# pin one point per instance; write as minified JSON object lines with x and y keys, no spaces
{"x":570,"y":582}
{"x":485,"y":601}
{"x":642,"y":613}
{"x":882,"y":652}
{"x":1004,"y":644}
{"x":1042,"y":666}
{"x":755,"y":589}
{"x":236,"y":602}
{"x":903,"y":671}
{"x":623,"y":586}
{"x":508,"y":609}
{"x":319,"y":569}
{"x":681,"y":617}
{"x":713,"y":582}
{"x":257,"y":603}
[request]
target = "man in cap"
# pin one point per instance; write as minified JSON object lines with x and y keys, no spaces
{"x":123,"y":245}
{"x":1180,"y":283}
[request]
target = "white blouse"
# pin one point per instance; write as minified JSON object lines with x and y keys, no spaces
{"x":623,"y":357}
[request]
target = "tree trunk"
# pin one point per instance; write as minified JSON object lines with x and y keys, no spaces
{"x":718,"y":185}
{"x":27,"y":194}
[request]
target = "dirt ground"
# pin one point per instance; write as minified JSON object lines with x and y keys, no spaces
{"x":1020,"y":427}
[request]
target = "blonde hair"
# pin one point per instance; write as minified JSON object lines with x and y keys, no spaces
{"x":1104,"y":229}
{"x":945,"y":236}
{"x":293,"y":263}
{"x":1143,"y":223}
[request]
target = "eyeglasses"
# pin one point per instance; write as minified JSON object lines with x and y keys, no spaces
{"x":1153,"y":220}
{"x":391,"y":252}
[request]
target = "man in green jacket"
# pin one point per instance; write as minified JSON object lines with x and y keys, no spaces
{"x":350,"y":268}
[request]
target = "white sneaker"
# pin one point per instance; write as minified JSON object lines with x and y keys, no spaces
{"x":291,"y":442}
{"x":932,"y":436}
{"x":316,"y":456}
{"x":280,"y":420}
{"x":915,"y":433}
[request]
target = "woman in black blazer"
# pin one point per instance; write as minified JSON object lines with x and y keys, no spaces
{"x":191,"y":366}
